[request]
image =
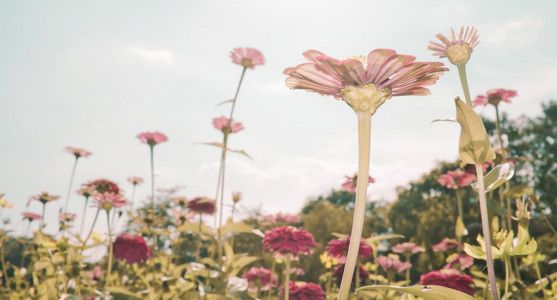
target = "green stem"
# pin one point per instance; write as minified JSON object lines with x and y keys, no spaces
{"x":83,"y":216}
{"x":287,"y":278}
{"x":92,"y":226}
{"x":5,"y":274}
{"x":364,"y":134}
{"x":464,"y":82}
{"x":152,"y":181}
{"x":42,"y":218}
{"x":461,"y":216}
{"x":273,"y":264}
{"x":110,"y":251}
{"x":507,"y":277}
{"x":407,"y":256}
{"x":70,"y":187}
{"x":486,"y":232}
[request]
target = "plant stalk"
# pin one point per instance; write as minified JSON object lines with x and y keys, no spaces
{"x":464,"y":82}
{"x":70,"y":187}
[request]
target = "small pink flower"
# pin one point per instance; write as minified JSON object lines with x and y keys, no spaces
{"x":350,"y":184}
{"x":31,"y":216}
{"x":280,"y":217}
{"x":463,"y":261}
{"x":494,"y":96}
{"x":445,"y":245}
{"x":456,"y":179}
{"x":132,"y":249}
{"x":67,"y":217}
{"x":339,"y":249}
{"x":95,"y":274}
{"x":457,"y":48}
{"x":391,"y":263}
{"x":78,"y":152}
{"x":222,"y":125}
{"x":44,"y":197}
{"x":181,"y":216}
{"x":152,"y":138}
{"x":247,"y":57}
{"x":408,"y":248}
{"x":86,"y":191}
{"x":180,"y":201}
{"x":135,"y":180}
{"x":108,"y":200}
{"x":288,"y":239}
{"x":299,"y":290}
{"x":259,"y":278}
{"x":449,"y":278}
{"x":202,"y":205}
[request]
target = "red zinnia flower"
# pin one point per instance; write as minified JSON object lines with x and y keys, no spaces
{"x":222,"y":125}
{"x":31,"y":216}
{"x":202,"y":205}
{"x":152,"y":138}
{"x":135,"y":180}
{"x":108,"y":200}
{"x":102,"y":186}
{"x":78,"y":152}
{"x":247,"y":57}
{"x":299,"y":290}
{"x":391,"y":263}
{"x":132,"y":249}
{"x":339,"y":248}
{"x":445,"y":245}
{"x":456,"y":179}
{"x":259,"y":278}
{"x":494,"y":96}
{"x":288,"y":239}
{"x":350,"y":184}
{"x":450,"y":279}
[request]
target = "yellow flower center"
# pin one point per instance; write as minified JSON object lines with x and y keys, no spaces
{"x":366,"y":98}
{"x":246,"y":62}
{"x":459,"y":53}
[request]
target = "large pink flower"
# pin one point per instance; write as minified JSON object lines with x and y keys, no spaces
{"x":495,"y":96}
{"x":288,"y":239}
{"x":152,"y":138}
{"x":108,"y":200}
{"x":259,"y":278}
{"x":462,"y":261}
{"x":364,"y":83}
{"x":222,"y":125}
{"x":31,"y":216}
{"x":449,"y":278}
{"x":247,"y":57}
{"x":350,"y":184}
{"x":339,"y":249}
{"x":456,"y":179}
{"x":407,"y":248}
{"x":391,"y":263}
{"x":300,"y":290}
{"x":132,"y":249}
{"x":202,"y":205}
{"x":135,"y":180}
{"x":457,"y":48}
{"x":78,"y":152}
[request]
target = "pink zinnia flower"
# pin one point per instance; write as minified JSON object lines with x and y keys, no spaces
{"x":299,"y":290}
{"x":350,"y":184}
{"x":247,"y":57}
{"x":102,"y":186}
{"x":391,"y":263}
{"x":463,"y":261}
{"x":339,"y":249}
{"x":456,"y":179}
{"x":450,"y":279}
{"x":44,"y":197}
{"x":132,"y":249}
{"x":31,"y":216}
{"x":339,"y":270}
{"x":180,"y":201}
{"x":364,"y":83}
{"x":152,"y":138}
{"x":288,"y":239}
{"x":280,"y":217}
{"x":95,"y":274}
{"x":108,"y":200}
{"x":135,"y":180}
{"x":78,"y":152}
{"x":66,"y":217}
{"x":222,"y":125}
{"x":457,"y":48}
{"x":408,"y":248}
{"x":86,"y":191}
{"x":181,"y":216}
{"x":259,"y":278}
{"x":494,"y":96}
{"x":445,"y":245}
{"x":202,"y":205}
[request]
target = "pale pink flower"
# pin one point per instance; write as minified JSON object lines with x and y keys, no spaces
{"x":457,"y":48}
{"x":4,"y":203}
{"x":462,"y":261}
{"x":445,"y":245}
{"x":44,"y":197}
{"x":108,"y":200}
{"x":180,"y":201}
{"x":95,"y":274}
{"x":495,"y":96}
{"x":86,"y":191}
{"x":364,"y":83}
{"x":350,"y":184}
{"x":78,"y":152}
{"x":408,"y":248}
{"x":391,"y":263}
{"x":152,"y":138}
{"x":456,"y":179}
{"x":222,"y":125}
{"x":247,"y":57}
{"x":236,"y":197}
{"x":66,"y":217}
{"x":259,"y":279}
{"x":31,"y":216}
{"x":182,"y":216}
{"x":135,"y":180}
{"x":280,"y":217}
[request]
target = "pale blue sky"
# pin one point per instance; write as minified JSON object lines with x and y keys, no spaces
{"x":94,"y":74}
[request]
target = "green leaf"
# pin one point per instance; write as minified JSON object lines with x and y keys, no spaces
{"x":496,"y":177}
{"x":223,"y":102}
{"x":235,"y":227}
{"x":377,"y":238}
{"x":221,"y":145}
{"x":474,"y":146}
{"x":518,"y":191}
{"x":194,"y":227}
{"x":428,"y":292}
{"x":42,"y":264}
{"x":122,"y":291}
{"x":460,"y":229}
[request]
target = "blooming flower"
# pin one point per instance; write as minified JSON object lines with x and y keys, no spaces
{"x":247,"y":57}
{"x":407,"y":247}
{"x":86,"y":191}
{"x":180,"y":201}
{"x":339,"y":270}
{"x":462,"y":261}
{"x":259,"y":278}
{"x":449,"y":278}
{"x":44,"y":197}
{"x":457,"y":48}
{"x":31,"y":216}
{"x":494,"y":96}
{"x":132,"y":249}
{"x":392,"y":263}
{"x":339,"y":248}
{"x":95,"y":274}
{"x":78,"y":152}
{"x":456,"y":179}
{"x":288,"y":239}
{"x":4,"y":203}
{"x":236,"y":197}
{"x":66,"y":217}
{"x":102,"y":186}
{"x":181,"y":216}
{"x":350,"y":184}
{"x":152,"y":138}
{"x":299,"y":290}
{"x":135,"y":180}
{"x":202,"y":205}
{"x":280,"y":217}
{"x":364,"y":83}
{"x":222,"y":125}
{"x":108,"y":200}
{"x":445,"y":245}
{"x":327,"y":260}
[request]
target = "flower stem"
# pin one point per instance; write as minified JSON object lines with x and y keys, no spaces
{"x":507,"y":273}
{"x":42,"y":218}
{"x":83,"y":216}
{"x":70,"y":187}
{"x":464,"y":82}
{"x":486,"y":232}
{"x":364,"y":135}
{"x":273,"y":264}
{"x":287,"y":278}
{"x":110,"y":251}
{"x":92,"y":226}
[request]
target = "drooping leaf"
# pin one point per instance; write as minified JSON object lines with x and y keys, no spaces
{"x":496,"y":177}
{"x":460,"y":229}
{"x":428,"y":292}
{"x":378,"y":238}
{"x":223,"y":102}
{"x":235,"y":228}
{"x":474,"y":146}
{"x":221,"y":145}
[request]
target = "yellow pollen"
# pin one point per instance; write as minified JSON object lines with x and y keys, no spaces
{"x":459,"y":53}
{"x":246,"y":62}
{"x":366,"y":98}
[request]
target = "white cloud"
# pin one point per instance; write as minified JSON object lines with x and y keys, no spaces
{"x":157,"y":56}
{"x":518,"y":32}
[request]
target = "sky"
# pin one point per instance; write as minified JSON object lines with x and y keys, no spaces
{"x":95,"y":74}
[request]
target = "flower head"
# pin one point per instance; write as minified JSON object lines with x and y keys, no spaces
{"x":327,"y":261}
{"x":449,"y":278}
{"x":4,"y":203}
{"x":86,"y":191}
{"x":180,"y":201}
{"x":152,"y":138}
{"x":31,"y":216}
{"x":339,"y":270}
{"x":456,"y":179}
{"x":280,"y":217}
{"x":247,"y":57}
{"x":392,"y":263}
{"x":457,"y":48}
{"x":494,"y":96}
{"x":299,"y":290}
{"x":109,"y":200}
{"x":95,"y":274}
{"x":259,"y":278}
{"x":202,"y":205}
{"x":288,"y":239}
{"x":236,"y":197}
{"x":132,"y":249}
{"x":135,"y":180}
{"x":181,"y":216}
{"x":339,"y":249}
{"x":445,"y":245}
{"x":462,"y":261}
{"x":102,"y":186}
{"x":44,"y":197}
{"x":409,"y":248}
{"x":222,"y":125}
{"x":78,"y":152}
{"x":350,"y":184}
{"x":66,"y":217}
{"x":364,"y":83}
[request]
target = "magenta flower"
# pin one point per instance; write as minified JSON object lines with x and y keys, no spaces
{"x":462,"y":261}
{"x":135,"y":180}
{"x":456,"y":179}
{"x":202,"y":205}
{"x":494,"y":96}
{"x":350,"y":184}
{"x":364,"y":83}
{"x":391,"y":263}
{"x":299,"y":290}
{"x":131,"y":249}
{"x":152,"y":138}
{"x":31,"y":216}
{"x":288,"y":239}
{"x":78,"y":152}
{"x":445,"y":245}
{"x":102,"y":186}
{"x":339,"y":270}
{"x":457,"y":48}
{"x":45,"y":197}
{"x":222,"y":125}
{"x":247,"y":57}
{"x":407,"y":248}
{"x":280,"y":217}
{"x":450,"y":279}
{"x":339,"y":248}
{"x":108,"y":200}
{"x":259,"y":279}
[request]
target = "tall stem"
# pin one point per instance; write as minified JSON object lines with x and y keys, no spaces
{"x":486,"y":232}
{"x":83,"y":216}
{"x":92,"y":226}
{"x":461,"y":216}
{"x":287,"y":277}
{"x":273,"y":264}
{"x":70,"y":187}
{"x":42,"y":218}
{"x":464,"y":82}
{"x":152,"y":181}
{"x":110,"y":251}
{"x":364,"y":135}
